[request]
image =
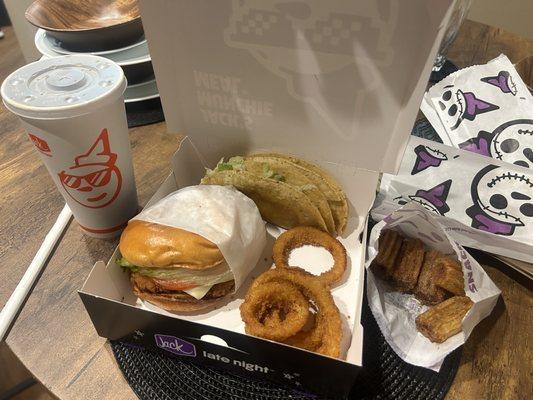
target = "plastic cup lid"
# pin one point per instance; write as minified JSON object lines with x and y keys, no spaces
{"x":63,"y":87}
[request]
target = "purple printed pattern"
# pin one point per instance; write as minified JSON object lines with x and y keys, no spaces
{"x":433,"y":237}
{"x":503,"y":81}
{"x":427,"y":157}
{"x":456,"y":106}
{"x":475,"y":106}
{"x":434,"y":199}
{"x":511,"y":142}
{"x":483,"y":222}
{"x":479,"y":144}
{"x":502,"y":200}
{"x":430,"y":236}
{"x":175,"y":345}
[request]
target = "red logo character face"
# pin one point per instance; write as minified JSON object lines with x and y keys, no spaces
{"x":94,"y":180}
{"x":41,"y":145}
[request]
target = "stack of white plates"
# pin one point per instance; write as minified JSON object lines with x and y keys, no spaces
{"x":134,"y":59}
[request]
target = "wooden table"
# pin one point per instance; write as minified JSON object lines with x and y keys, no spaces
{"x":54,"y":337}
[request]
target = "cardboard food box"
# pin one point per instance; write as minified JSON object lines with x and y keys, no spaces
{"x":338,"y":83}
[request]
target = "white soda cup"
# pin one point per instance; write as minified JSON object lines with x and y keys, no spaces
{"x":73,"y":110}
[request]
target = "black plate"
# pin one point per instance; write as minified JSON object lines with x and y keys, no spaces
{"x":139,"y":72}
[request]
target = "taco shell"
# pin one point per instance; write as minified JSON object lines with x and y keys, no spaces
{"x":279,"y":203}
{"x":326,"y":184}
{"x":292,"y":175}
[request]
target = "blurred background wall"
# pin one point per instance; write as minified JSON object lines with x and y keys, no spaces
{"x":24,"y":30}
{"x":512,"y":15}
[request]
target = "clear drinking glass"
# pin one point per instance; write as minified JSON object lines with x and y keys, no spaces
{"x":459,"y":13}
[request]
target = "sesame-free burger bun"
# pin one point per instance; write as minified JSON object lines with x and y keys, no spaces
{"x":147,"y":244}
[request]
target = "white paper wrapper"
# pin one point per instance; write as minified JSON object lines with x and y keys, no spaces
{"x":482,"y":203}
{"x":395,"y":312}
{"x":486,"y":109}
{"x":220,"y":214}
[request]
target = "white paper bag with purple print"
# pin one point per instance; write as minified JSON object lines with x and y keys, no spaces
{"x":396,"y":312}
{"x":486,"y":109}
{"x":482,"y":203}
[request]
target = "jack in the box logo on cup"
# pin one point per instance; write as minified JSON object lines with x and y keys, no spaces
{"x":41,"y":145}
{"x":94,"y":179}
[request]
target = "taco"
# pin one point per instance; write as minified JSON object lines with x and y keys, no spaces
{"x":278,"y":202}
{"x":269,"y":167}
{"x":326,"y":184}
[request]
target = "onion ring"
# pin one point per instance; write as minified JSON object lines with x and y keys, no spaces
{"x":306,"y":235}
{"x":325,"y":335}
{"x":275,"y":310}
{"x":310,"y":338}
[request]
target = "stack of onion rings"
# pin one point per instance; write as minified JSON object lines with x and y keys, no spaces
{"x":268,"y":295}
{"x":306,"y":235}
{"x":275,"y":310}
